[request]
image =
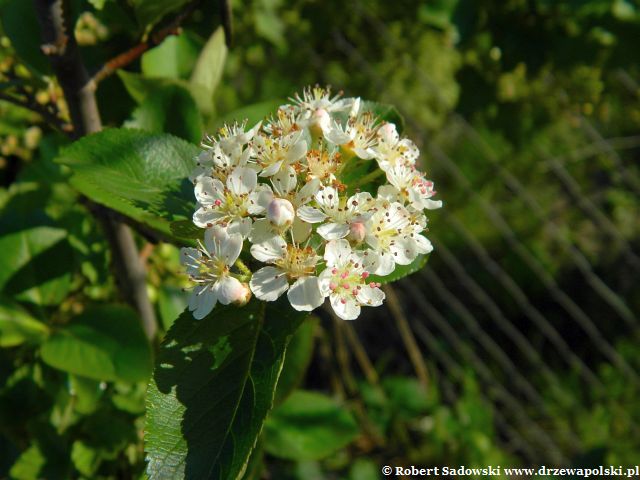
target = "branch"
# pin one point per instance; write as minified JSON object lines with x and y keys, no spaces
{"x":124,"y":59}
{"x":47,"y":115}
{"x":79,"y":92}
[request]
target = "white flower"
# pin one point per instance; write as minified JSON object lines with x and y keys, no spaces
{"x":392,"y":232}
{"x":228,"y":205}
{"x":340,"y":212}
{"x":208,"y":266}
{"x":411,"y":187}
{"x":323,"y":163}
{"x":317,"y":98}
{"x":276,"y":155}
{"x":290,"y":264}
{"x":284,"y":196}
{"x":358,"y":135}
{"x":344,"y":280}
{"x":391,"y":150}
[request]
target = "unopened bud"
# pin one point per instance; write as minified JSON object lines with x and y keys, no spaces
{"x":244,"y":295}
{"x":280,"y":212}
{"x":320,"y":121}
{"x":357,"y":232}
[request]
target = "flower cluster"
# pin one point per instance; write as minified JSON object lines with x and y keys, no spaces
{"x":304,"y":194}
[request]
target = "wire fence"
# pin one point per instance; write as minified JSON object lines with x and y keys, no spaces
{"x":462,"y":324}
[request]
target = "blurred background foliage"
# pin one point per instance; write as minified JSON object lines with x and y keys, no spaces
{"x":528,"y":116}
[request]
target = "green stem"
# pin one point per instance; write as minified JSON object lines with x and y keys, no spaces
{"x":242,"y":267}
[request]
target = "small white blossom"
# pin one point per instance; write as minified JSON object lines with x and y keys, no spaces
{"x":344,"y":280}
{"x":338,"y":212}
{"x":289,"y":264}
{"x":209,"y":267}
{"x":228,"y":205}
{"x":412,"y":187}
{"x":391,"y":150}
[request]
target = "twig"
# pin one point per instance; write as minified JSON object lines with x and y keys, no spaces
{"x":79,"y":92}
{"x":360,"y":355}
{"x":407,"y":335}
{"x":48,"y":116}
{"x":124,"y":59}
{"x":342,"y":354}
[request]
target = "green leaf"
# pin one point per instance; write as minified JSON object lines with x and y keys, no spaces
{"x":175,"y":57}
{"x":402,"y":271}
{"x":20,"y":24}
{"x":34,"y":265}
{"x":149,"y":12}
{"x":309,"y":426}
{"x":208,"y":71}
{"x":85,"y":458}
{"x":141,"y":175}
{"x":17,"y":326}
{"x":297,"y":359}
{"x":213,"y":386}
{"x":171,"y":109}
{"x":103,"y":343}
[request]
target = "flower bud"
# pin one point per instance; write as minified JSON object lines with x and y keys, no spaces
{"x":320,"y":121}
{"x":357,"y":231}
{"x":280,"y":212}
{"x":243,"y":295}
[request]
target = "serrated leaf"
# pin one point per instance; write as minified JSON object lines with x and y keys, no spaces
{"x":17,"y":326}
{"x":402,"y":271}
{"x":309,"y":426}
{"x":175,"y":57}
{"x":104,"y":343}
{"x":208,"y":70}
{"x":213,"y":386}
{"x":141,"y":175}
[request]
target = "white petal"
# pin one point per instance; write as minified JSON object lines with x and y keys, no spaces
{"x":369,"y":259}
{"x":241,"y":226}
{"x":431,"y":204}
{"x":242,"y":180}
{"x":310,"y":214}
{"x":403,"y":251}
{"x":270,"y":250}
{"x":307,"y":192}
{"x":271,"y":169}
{"x":386,"y":265}
{"x":205,"y":300}
{"x":213,"y":238}
{"x":333,"y":231}
{"x":259,"y":199}
{"x":360,"y":202}
{"x":304,"y":294}
{"x":370,"y":296}
{"x":206,"y":217}
{"x":388,"y":193}
{"x":231,"y":248}
{"x":284,"y":181}
{"x":300,"y":230}
{"x":261,"y":230}
{"x":327,"y":198}
{"x":269,"y":283}
{"x":337,"y":253}
{"x":208,"y":190}
{"x":229,"y":290}
{"x":349,"y":310}
{"x":336,"y":135}
{"x":423,"y":244}
{"x":297,"y":151}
